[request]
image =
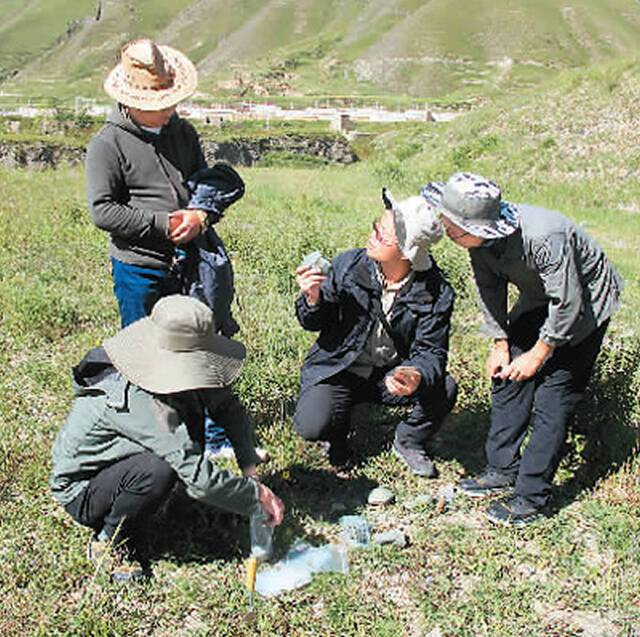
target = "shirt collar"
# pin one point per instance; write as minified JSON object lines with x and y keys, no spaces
{"x":396,"y":285}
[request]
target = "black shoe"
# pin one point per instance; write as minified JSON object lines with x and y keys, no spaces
{"x":489,"y":482}
{"x":514,"y":511}
{"x":416,"y":459}
{"x":337,"y":453}
{"x":120,"y":560}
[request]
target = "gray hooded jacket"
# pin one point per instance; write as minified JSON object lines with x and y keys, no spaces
{"x":135,"y":179}
{"x":112,"y":419}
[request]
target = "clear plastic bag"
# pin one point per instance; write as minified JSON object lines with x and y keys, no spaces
{"x":297,"y":567}
{"x":261,"y":537}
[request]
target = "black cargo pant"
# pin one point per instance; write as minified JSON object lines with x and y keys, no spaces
{"x":548,"y":400}
{"x":121,"y":497}
{"x":324,"y":410}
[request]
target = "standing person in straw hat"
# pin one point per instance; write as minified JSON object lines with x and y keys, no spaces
{"x":137,"y":167}
{"x":544,"y":347}
{"x":136,"y":427}
{"x":383,"y":315}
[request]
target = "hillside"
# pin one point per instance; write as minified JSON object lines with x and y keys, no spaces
{"x":420,"y":48}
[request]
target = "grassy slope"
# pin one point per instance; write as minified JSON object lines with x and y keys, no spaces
{"x":461,"y":575}
{"x":426,"y":49}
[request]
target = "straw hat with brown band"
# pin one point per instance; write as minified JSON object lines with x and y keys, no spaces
{"x":151,"y":77}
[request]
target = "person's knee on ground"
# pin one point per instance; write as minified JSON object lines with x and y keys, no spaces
{"x":312,"y":425}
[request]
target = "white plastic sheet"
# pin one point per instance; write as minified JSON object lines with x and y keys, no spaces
{"x":297,"y":567}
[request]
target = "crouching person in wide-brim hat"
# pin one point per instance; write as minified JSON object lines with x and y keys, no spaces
{"x":136,"y":427}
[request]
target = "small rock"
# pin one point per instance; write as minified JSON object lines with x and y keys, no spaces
{"x":447,"y":493}
{"x":338,"y":507}
{"x":381,"y":496}
{"x":445,"y":497}
{"x":418,"y":502}
{"x":398,"y":538}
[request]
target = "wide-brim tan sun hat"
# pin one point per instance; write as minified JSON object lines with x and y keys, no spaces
{"x":176,"y":349}
{"x":151,"y":77}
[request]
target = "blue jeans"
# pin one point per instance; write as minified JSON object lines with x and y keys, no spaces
{"x":137,"y":289}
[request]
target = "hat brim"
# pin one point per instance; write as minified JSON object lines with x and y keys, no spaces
{"x":504,"y":226}
{"x":184,"y":84}
{"x":135,"y":352}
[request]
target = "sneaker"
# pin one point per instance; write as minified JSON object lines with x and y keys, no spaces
{"x":514,"y":511}
{"x":124,"y":568}
{"x":225,"y":452}
{"x":489,"y":482}
{"x":416,"y":459}
{"x":263,"y":455}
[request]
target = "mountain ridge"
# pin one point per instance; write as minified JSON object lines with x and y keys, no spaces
{"x":291,"y":48}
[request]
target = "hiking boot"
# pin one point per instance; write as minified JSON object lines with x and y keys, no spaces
{"x":515,"y":511}
{"x":416,"y":459}
{"x":118,"y":559}
{"x":489,"y":482}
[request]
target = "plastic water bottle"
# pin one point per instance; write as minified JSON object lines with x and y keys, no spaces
{"x":261,"y":537}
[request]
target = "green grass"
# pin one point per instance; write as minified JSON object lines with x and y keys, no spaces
{"x":574,"y":572}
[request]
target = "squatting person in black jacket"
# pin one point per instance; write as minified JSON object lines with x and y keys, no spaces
{"x":383,"y":314}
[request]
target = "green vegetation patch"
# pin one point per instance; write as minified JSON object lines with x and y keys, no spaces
{"x":574,"y":572}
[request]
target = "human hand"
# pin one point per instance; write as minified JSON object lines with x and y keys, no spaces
{"x":403,"y":381}
{"x":185,"y":225}
{"x":526,"y":365}
{"x":271,"y":504}
{"x":309,"y":281}
{"x":522,"y":367}
{"x":498,"y":358}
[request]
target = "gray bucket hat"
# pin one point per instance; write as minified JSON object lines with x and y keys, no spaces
{"x":176,"y":349}
{"x":475,"y":204}
{"x":417,"y":227}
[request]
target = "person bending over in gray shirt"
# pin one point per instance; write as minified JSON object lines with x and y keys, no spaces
{"x":544,"y":347}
